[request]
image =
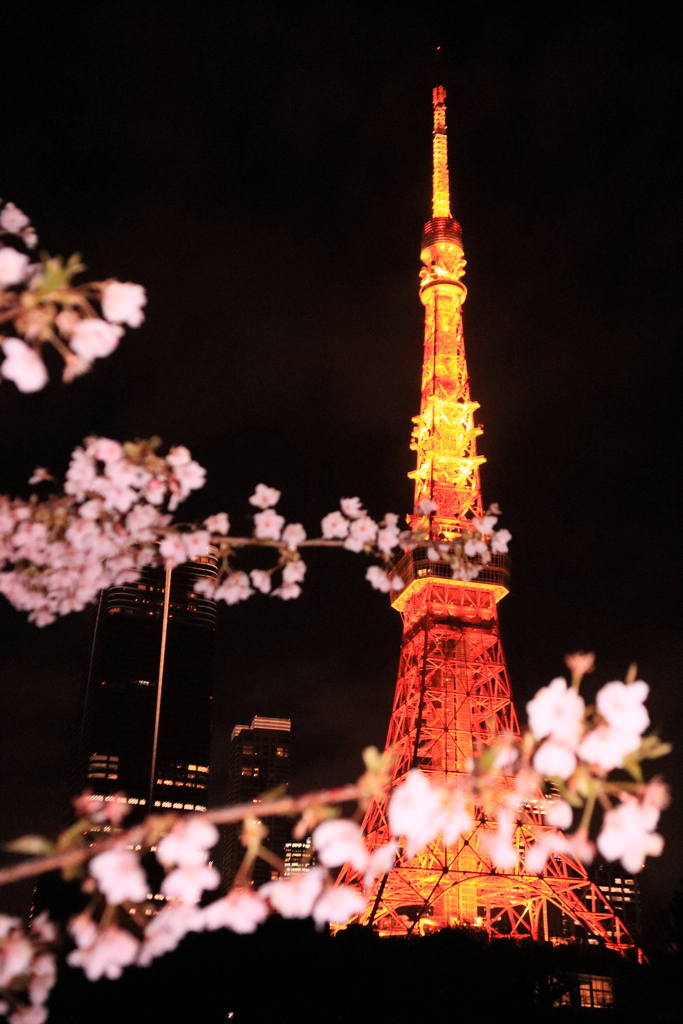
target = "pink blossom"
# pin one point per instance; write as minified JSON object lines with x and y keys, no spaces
{"x":621,"y":705}
{"x":554,"y":760}
{"x":29,"y":237}
{"x":178,"y":456}
{"x":16,"y":954}
{"x":188,"y":842}
{"x":12,"y":219}
{"x":426,"y":507}
{"x":338,"y":841}
{"x":338,"y":905}
{"x":549,"y":843}
{"x":499,"y":844}
{"x":363,"y":531}
{"x":606,"y":748}
{"x":43,"y":978}
{"x":581,"y":846}
{"x":265,"y":497}
{"x":388,"y":539}
{"x":240,"y":911}
{"x":261,"y":580}
{"x":294,"y":897}
{"x":196,"y":543}
{"x":293,"y":535}
{"x":112,"y":950}
{"x":287,"y":591}
{"x":165,"y":931}
{"x":189,"y":883}
{"x":485,"y":525}
{"x":334,"y":526}
{"x":628,"y":835}
{"x":414,"y":811}
{"x":94,"y":339}
{"x":8,"y":924}
{"x":559,"y":813}
{"x":22,"y":364}
{"x":172,"y":550}
{"x":294,"y":572}
{"x":378,"y":579}
{"x":352,"y":507}
{"x":474,"y":547}
{"x":557,"y":711}
{"x":155,"y":491}
{"x":29,"y":1015}
{"x":234,"y":589}
{"x":500,"y":540}
{"x":40,"y":475}
{"x":119,"y":876}
{"x":13,"y":266}
{"x":43,"y":927}
{"x":454,"y":820}
{"x":122,"y":303}
{"x":107,"y":450}
{"x":191,"y":476}
{"x":66,"y":320}
{"x":268,"y":525}
{"x":218,"y":523}
{"x":380,"y":862}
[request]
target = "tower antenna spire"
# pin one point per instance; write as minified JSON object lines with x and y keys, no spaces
{"x":441,"y":205}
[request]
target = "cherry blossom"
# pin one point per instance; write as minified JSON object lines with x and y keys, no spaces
{"x":414,"y":811}
{"x":294,"y":571}
{"x":499,"y":843}
{"x":352,"y":507}
{"x":268,"y":525}
{"x":165,"y":931}
{"x":196,"y":543}
{"x":94,"y":339}
{"x":555,"y":760}
{"x":362,"y":531}
{"x":559,"y":813}
{"x":12,"y":219}
{"x":261,"y":580}
{"x":122,"y":303}
{"x":500,"y":540}
{"x":628,"y":834}
{"x":293,"y":535}
{"x":335,"y":526}
{"x":240,"y":911}
{"x":338,"y":905}
{"x":557,"y":711}
{"x":188,"y":842}
{"x":549,"y":843}
{"x":287,"y":591}
{"x":119,"y":876}
{"x":172,"y":550}
{"x":234,"y":589}
{"x":110,"y":951}
{"x":426,"y":507}
{"x":43,"y":978}
{"x":188,"y":883}
{"x":13,"y":266}
{"x":606,"y":748}
{"x":380,"y":861}
{"x":264,"y":497}
{"x":218,"y":524}
{"x":16,"y":954}
{"x":378,"y":579}
{"x":340,"y":840}
{"x":621,"y":705}
{"x":22,"y":364}
{"x":294,"y":897}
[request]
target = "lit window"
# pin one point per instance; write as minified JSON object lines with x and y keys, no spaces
{"x":282,"y":751}
{"x":247,"y":771}
{"x":192,"y":767}
{"x":248,"y":748}
{"x":200,"y":768}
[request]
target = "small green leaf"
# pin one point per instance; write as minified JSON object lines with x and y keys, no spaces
{"x":37,"y":846}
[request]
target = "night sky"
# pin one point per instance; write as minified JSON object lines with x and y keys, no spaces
{"x":264,"y":171}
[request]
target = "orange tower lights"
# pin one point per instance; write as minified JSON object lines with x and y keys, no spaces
{"x":452,"y":695}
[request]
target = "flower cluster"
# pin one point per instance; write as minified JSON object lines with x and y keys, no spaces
{"x":56,"y":555}
{"x":42,"y":306}
{"x":28,"y":969}
{"x":471,"y":551}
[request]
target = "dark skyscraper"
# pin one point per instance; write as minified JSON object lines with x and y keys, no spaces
{"x":259,"y":762}
{"x":145,"y":716}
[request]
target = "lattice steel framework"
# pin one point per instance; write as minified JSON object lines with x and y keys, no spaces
{"x":453,"y":694}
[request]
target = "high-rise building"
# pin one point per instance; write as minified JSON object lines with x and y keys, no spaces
{"x":453,"y":696}
{"x":145,"y":717}
{"x":259,"y":762}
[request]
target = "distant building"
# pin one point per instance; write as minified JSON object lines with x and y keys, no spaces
{"x":144,"y":724}
{"x":259,"y":762}
{"x":298,"y":857}
{"x":622,"y":890}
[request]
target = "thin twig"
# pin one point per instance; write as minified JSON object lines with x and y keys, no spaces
{"x":70,"y":857}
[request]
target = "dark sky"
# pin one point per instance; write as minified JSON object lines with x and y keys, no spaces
{"x":264,"y":170}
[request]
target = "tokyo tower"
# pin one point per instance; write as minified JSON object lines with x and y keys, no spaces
{"x":452,"y":695}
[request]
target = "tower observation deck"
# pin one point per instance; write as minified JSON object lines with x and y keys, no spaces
{"x":453,"y":696}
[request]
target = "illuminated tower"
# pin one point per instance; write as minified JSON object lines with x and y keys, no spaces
{"x":453,"y":696}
